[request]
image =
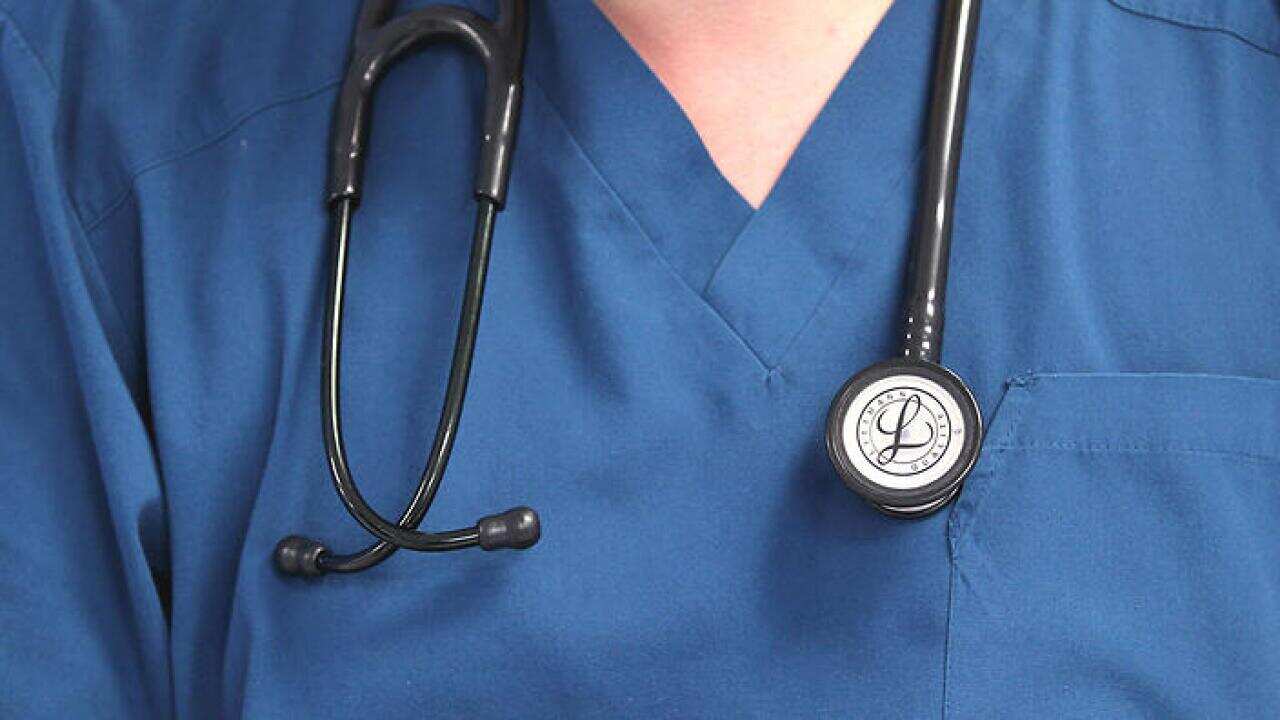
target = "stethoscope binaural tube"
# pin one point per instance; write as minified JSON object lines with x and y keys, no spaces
{"x":378,"y":44}
{"x":904,"y":433}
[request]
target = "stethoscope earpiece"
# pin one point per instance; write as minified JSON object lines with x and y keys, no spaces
{"x":903,"y":434}
{"x":516,"y":529}
{"x":297,"y":555}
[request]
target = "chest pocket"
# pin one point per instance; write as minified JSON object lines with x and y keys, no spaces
{"x":1117,"y":552}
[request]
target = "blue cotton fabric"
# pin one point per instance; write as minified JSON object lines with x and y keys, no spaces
{"x":654,"y":367}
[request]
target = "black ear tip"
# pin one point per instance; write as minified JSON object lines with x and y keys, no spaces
{"x":515,"y":529}
{"x":296,"y":555}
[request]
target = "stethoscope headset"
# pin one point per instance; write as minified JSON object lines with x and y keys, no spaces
{"x":902,"y":433}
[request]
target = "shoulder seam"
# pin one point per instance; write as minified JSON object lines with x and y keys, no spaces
{"x":12,"y":22}
{"x":88,"y":227}
{"x":203,"y":144}
{"x":116,"y":338}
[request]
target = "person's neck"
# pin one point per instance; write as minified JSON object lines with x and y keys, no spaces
{"x":751,"y":75}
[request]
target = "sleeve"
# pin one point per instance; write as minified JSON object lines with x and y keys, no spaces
{"x":83,"y":630}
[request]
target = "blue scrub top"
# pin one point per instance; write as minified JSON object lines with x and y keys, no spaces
{"x":654,"y":367}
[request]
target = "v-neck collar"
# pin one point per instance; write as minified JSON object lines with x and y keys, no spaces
{"x":764,"y":271}
{"x":639,"y":139}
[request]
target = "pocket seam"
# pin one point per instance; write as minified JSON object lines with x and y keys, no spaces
{"x":1009,"y":409}
{"x":1027,"y":382}
{"x":1018,"y":411}
{"x":1267,"y":42}
{"x":1009,"y":413}
{"x":959,"y":523}
{"x":1105,"y":448}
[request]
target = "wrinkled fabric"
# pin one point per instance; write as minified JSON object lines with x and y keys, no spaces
{"x":653,"y":372}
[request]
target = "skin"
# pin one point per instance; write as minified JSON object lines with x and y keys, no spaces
{"x":751,"y":75}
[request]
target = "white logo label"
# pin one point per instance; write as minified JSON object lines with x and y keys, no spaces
{"x":903,"y":432}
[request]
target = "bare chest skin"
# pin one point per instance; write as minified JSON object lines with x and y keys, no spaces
{"x":751,"y":75}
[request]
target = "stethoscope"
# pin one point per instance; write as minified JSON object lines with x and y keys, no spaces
{"x":903,"y":433}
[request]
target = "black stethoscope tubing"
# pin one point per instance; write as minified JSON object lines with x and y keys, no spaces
{"x":378,"y":43}
{"x":918,"y":368}
{"x":935,"y":214}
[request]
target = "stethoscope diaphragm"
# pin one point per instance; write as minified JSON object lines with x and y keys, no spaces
{"x":903,"y":434}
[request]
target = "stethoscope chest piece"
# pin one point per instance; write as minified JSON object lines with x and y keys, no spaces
{"x":903,"y":434}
